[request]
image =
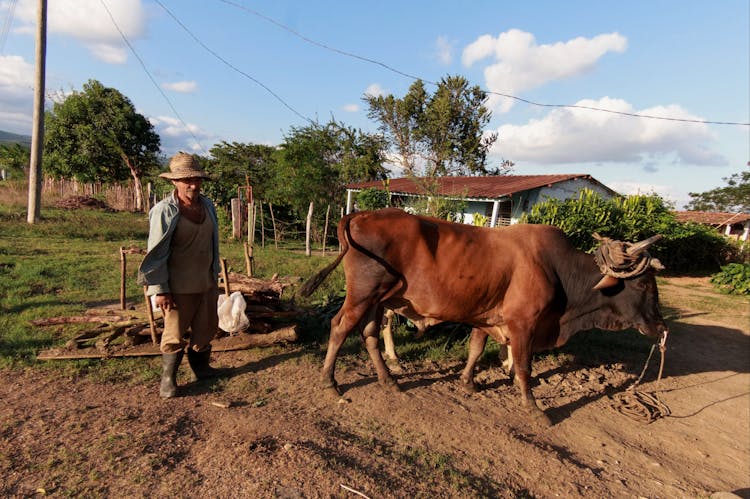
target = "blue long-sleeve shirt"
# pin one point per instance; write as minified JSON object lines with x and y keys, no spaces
{"x":163,"y":218}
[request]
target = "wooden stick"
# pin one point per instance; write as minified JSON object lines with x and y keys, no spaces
{"x":262,"y":228}
{"x":273,"y":221}
{"x":225,"y":276}
{"x":150,"y":314}
{"x":248,"y":259}
{"x":325,"y":229}
{"x":123,"y":272}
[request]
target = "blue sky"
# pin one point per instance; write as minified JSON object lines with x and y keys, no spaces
{"x":259,"y":68}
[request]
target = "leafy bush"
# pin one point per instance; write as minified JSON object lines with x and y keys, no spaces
{"x":685,"y":247}
{"x":480,"y":220}
{"x":734,"y":279}
{"x":372,"y":199}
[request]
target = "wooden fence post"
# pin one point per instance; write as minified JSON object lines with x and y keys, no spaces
{"x":325,"y":228}
{"x":307,"y":230}
{"x":236,"y":219}
{"x":123,"y":272}
{"x":249,"y":259}
{"x":251,"y":223}
{"x":262,"y":228}
{"x":273,"y":221}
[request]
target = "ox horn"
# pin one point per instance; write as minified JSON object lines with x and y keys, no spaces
{"x":640,"y":247}
{"x":606,"y":282}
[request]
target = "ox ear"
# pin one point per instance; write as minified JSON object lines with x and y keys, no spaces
{"x":606,"y":282}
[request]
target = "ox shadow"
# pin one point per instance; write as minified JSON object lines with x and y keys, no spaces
{"x":691,"y":349}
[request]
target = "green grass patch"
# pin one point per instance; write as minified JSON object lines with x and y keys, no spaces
{"x":69,"y":262}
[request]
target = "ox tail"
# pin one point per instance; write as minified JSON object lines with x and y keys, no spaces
{"x":315,"y":281}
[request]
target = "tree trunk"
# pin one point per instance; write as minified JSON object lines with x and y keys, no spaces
{"x":137,"y":187}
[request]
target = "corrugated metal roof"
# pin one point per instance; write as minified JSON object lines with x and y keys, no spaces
{"x":711,"y":217}
{"x":474,"y":187}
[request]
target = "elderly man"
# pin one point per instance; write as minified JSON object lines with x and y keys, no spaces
{"x":181,"y":268}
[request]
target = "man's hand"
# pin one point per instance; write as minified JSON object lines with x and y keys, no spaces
{"x":165,"y":302}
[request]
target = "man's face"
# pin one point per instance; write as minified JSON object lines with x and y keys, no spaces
{"x":188,"y":188}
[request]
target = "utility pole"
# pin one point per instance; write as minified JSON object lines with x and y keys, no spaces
{"x":37,"y":132}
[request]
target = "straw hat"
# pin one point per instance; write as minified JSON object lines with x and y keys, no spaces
{"x":183,"y":165}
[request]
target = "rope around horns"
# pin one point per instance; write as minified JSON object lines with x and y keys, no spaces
{"x":612,"y":258}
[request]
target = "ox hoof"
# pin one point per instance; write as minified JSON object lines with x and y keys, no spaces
{"x":540,"y":417}
{"x":394,"y":366}
{"x":391,"y":386}
{"x":469,"y":386}
{"x":332,"y":389}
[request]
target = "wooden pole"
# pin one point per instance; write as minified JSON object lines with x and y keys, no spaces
{"x":273,"y":221}
{"x":307,"y":229}
{"x":342,"y":216}
{"x":250,"y":222}
{"x":262,"y":228}
{"x":123,"y":272}
{"x":225,"y":276}
{"x":236,"y":219}
{"x":248,"y":259}
{"x":325,"y":228}
{"x":255,"y":219}
{"x":37,"y":133}
{"x":150,"y":314}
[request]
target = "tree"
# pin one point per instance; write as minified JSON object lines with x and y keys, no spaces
{"x":14,"y":158}
{"x":440,"y":134}
{"x":235,"y":165}
{"x":96,"y":135}
{"x":315,"y":162}
{"x":735,"y":197}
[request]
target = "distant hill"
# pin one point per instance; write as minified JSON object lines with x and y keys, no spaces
{"x":14,"y":138}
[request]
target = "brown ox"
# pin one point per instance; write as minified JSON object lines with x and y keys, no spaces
{"x":525,"y":285}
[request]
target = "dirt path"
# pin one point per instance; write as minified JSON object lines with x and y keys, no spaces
{"x":280,"y":438}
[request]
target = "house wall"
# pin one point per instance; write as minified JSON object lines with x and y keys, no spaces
{"x":520,"y":202}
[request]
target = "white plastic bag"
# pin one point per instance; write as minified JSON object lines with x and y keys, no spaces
{"x":231,"y":311}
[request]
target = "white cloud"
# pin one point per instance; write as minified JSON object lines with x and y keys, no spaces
{"x":111,"y":54}
{"x":574,"y":136}
{"x":89,"y":22}
{"x":184,"y":87}
{"x":519,"y":64}
{"x":16,"y":93}
{"x":375,"y":90}
{"x":351,"y":108}
{"x":178,"y":136}
{"x":444,"y":50}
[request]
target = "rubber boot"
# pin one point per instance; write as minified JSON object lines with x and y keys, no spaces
{"x":199,"y":364}
{"x":170,"y":362}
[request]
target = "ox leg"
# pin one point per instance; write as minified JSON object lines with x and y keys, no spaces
{"x":371,"y":337}
{"x":391,"y":359}
{"x":508,"y":361}
{"x":341,"y":326}
{"x":477,"y":342}
{"x":522,"y":354}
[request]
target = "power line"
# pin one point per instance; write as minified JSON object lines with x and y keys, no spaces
{"x":6,"y":25}
{"x":413,"y":77}
{"x":145,"y":69}
{"x":233,"y":67}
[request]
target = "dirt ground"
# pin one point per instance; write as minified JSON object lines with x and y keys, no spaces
{"x":283,"y":437}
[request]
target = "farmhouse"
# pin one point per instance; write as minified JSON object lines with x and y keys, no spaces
{"x":732,"y":225}
{"x":502,"y":199}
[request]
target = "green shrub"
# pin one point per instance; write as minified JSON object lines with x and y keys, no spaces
{"x":685,"y":247}
{"x":480,"y":220}
{"x":734,"y":279}
{"x":372,"y":199}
